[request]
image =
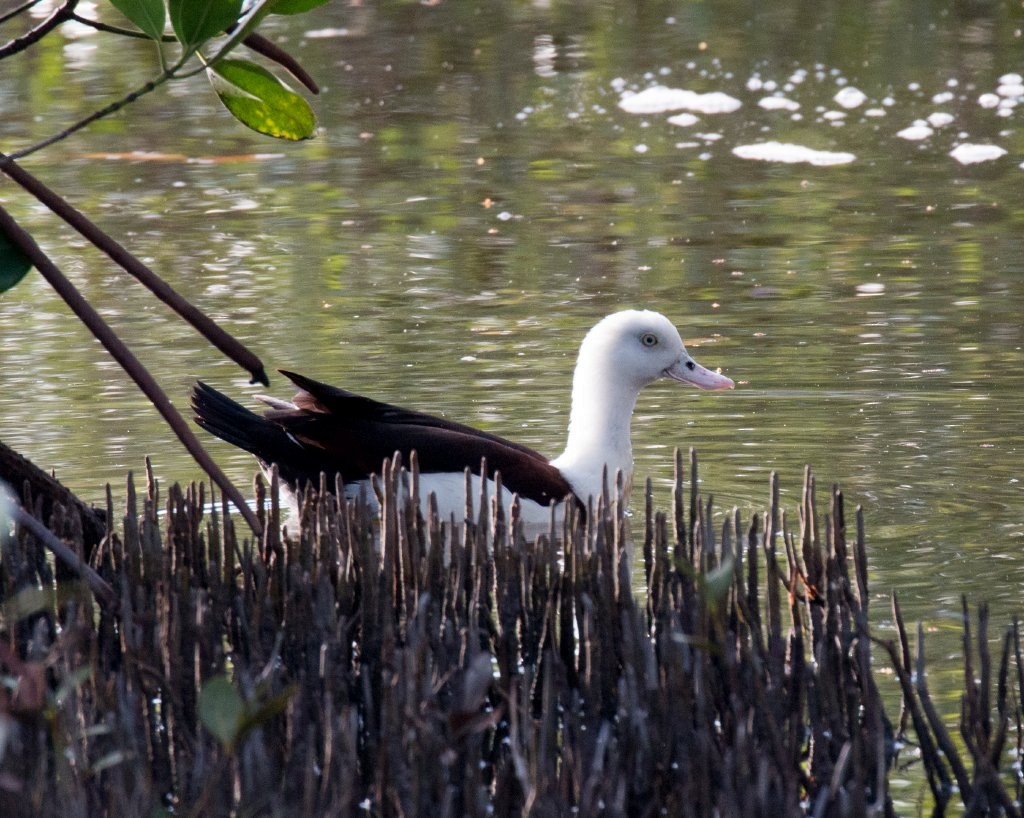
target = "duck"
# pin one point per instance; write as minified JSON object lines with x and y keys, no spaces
{"x":331,"y":430}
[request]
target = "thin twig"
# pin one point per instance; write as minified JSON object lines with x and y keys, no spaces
{"x":10,"y":15}
{"x":253,"y":41}
{"x":124,"y":356}
{"x":942,"y":737}
{"x":261,"y":45}
{"x":60,"y":15}
{"x":936,"y":772}
{"x":123,"y":258}
{"x":105,"y":111}
{"x":103,"y":592}
{"x":107,"y":28}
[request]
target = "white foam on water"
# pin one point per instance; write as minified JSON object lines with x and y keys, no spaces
{"x":870,"y":288}
{"x":916,"y":132}
{"x":791,"y":154}
{"x":779,"y":104}
{"x":658,"y":99}
{"x":970,"y":154}
{"x":683,"y":120}
{"x":1011,"y":90}
{"x":850,"y":97}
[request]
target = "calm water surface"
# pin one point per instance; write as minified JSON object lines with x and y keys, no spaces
{"x":479,"y":197}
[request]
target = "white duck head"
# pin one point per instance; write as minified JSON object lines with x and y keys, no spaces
{"x":621,"y":355}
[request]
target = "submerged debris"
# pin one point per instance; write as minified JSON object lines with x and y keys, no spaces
{"x":389,"y":666}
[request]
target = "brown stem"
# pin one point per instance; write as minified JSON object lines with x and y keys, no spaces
{"x":938,"y":727}
{"x":19,"y":472}
{"x":261,"y":45}
{"x":205,"y":325}
{"x":935,"y":767}
{"x":61,"y":14}
{"x":124,"y":356}
{"x":104,"y":593}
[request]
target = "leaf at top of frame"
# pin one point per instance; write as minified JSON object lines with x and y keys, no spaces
{"x":149,"y":15}
{"x":196,"y":21}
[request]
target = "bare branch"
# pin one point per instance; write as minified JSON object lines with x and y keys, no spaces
{"x":61,"y":14}
{"x":100,"y":588}
{"x":10,"y":15}
{"x":261,"y":45}
{"x":203,"y":324}
{"x":106,"y":111}
{"x":124,"y":356}
{"x":123,"y":32}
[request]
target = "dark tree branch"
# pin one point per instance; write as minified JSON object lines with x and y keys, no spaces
{"x":254,"y":42}
{"x":10,"y":15}
{"x":124,"y":32}
{"x":17,"y":472}
{"x":103,"y":592}
{"x":261,"y":45}
{"x":61,"y":14}
{"x":66,"y":13}
{"x":124,"y":356}
{"x":156,"y":285}
{"x":106,"y":111}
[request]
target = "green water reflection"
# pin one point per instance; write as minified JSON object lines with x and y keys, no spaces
{"x":477,"y":199}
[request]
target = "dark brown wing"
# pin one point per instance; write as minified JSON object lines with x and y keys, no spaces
{"x":321,"y":398}
{"x":359,"y":432}
{"x":336,"y":431}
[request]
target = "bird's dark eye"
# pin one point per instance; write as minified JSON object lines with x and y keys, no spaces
{"x":649,"y":339}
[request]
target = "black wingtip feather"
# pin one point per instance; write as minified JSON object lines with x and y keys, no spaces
{"x":335,"y":431}
{"x":230,"y":421}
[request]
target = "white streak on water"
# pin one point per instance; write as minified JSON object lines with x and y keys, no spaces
{"x":790,"y":153}
{"x":779,"y":104}
{"x":850,"y":97}
{"x":658,"y":99}
{"x":970,"y":154}
{"x":916,"y":132}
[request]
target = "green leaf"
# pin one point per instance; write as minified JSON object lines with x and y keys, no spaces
{"x":297,"y":6}
{"x":196,"y":21}
{"x":70,"y":683}
{"x":13,"y":263}
{"x":149,"y":15}
{"x":253,"y":16}
{"x":27,"y":602}
{"x":266,"y":710}
{"x":260,"y":101}
{"x":221,"y":709}
{"x":717,"y":582}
